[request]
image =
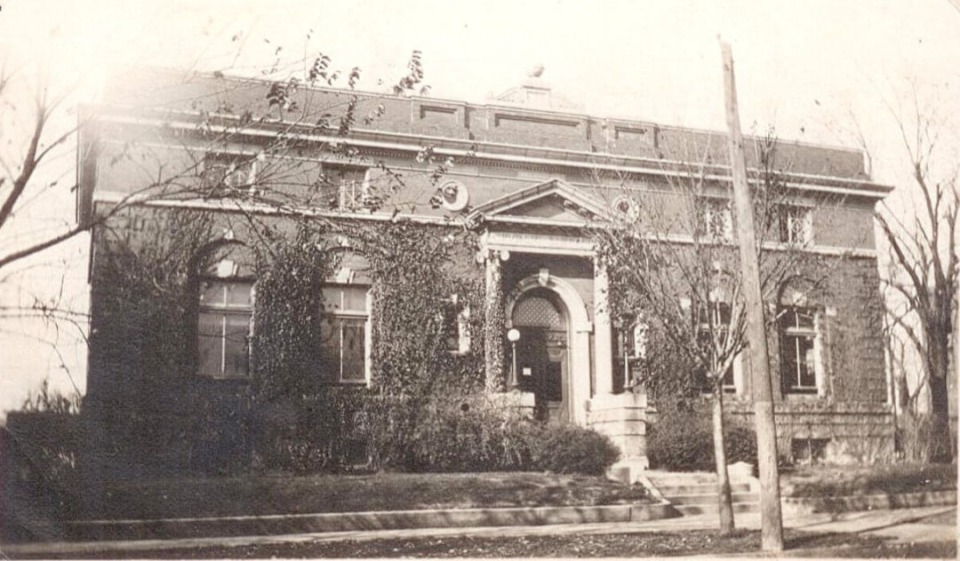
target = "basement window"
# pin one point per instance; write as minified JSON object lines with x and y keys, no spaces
{"x":809,"y":450}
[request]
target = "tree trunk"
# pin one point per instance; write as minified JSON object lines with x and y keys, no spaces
{"x":724,"y":500}
{"x":941,"y":448}
{"x":938,"y":363}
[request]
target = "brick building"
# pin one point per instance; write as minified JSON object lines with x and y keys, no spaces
{"x":530,"y":176}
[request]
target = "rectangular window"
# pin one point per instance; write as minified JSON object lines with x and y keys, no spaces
{"x":344,"y":333}
{"x":716,"y":219}
{"x":345,"y":187}
{"x":809,"y":450}
{"x":798,"y":350}
{"x":226,"y":310}
{"x":629,"y":345}
{"x":225,"y":174}
{"x":456,"y":320}
{"x":795,"y":225}
{"x":716,"y":316}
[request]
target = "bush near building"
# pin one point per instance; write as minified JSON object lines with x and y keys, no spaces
{"x":682,"y":439}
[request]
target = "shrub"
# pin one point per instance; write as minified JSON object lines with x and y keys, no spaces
{"x":40,"y":482}
{"x":469,"y":435}
{"x":474,"y":435}
{"x":313,"y":434}
{"x":572,"y":449}
{"x":741,"y":443}
{"x":682,"y":440}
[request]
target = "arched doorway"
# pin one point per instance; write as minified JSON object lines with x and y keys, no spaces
{"x":542,"y":352}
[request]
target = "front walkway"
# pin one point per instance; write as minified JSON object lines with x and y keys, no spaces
{"x":937,"y":523}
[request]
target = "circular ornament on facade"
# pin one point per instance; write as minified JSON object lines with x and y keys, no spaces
{"x":626,"y":207}
{"x":454,"y":195}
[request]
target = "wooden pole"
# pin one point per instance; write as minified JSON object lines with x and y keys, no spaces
{"x":771,"y":520}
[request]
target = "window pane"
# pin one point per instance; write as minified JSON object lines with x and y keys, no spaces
{"x":330,"y":349}
{"x":722,"y":313}
{"x":798,"y":362}
{"x":331,"y":298}
{"x":728,"y":381}
{"x":788,"y":356}
{"x":797,"y":318}
{"x":808,"y":377}
{"x":235,"y":345}
{"x":353,"y":367}
{"x":355,"y":299}
{"x":210,"y":344}
{"x":211,"y":293}
{"x":238,"y":294}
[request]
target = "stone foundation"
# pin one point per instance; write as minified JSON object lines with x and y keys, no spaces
{"x":623,"y":418}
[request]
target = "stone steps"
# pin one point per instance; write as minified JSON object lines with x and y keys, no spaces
{"x":696,"y":493}
{"x":708,"y":498}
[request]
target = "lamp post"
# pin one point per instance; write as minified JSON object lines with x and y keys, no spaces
{"x":513,"y":336}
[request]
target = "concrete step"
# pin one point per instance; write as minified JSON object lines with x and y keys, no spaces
{"x":673,"y":490}
{"x":711,"y":498}
{"x":691,"y":510}
{"x":681,"y":478}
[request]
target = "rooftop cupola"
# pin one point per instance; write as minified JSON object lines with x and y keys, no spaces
{"x":536,"y":93}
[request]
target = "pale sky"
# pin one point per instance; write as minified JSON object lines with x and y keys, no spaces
{"x":815,"y":70}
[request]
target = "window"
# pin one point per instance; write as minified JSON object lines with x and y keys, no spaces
{"x":347,"y":187}
{"x":809,"y":450}
{"x":226,"y":310}
{"x":716,"y":315}
{"x":629,"y":354}
{"x":225,"y":174}
{"x":716,"y":219}
{"x":345,"y":333}
{"x":456,"y":318}
{"x":798,"y":350}
{"x":795,"y":225}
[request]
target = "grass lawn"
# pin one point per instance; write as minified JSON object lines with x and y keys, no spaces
{"x":260,"y":495}
{"x":837,"y":481}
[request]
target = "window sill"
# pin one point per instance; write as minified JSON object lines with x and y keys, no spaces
{"x":226,"y":379}
{"x":802,"y":394}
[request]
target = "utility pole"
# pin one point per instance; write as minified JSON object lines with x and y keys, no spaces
{"x":771,"y":519}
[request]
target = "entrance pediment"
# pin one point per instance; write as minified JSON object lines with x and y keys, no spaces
{"x":553,"y":202}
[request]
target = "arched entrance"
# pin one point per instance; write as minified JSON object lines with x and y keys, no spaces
{"x":542,"y":352}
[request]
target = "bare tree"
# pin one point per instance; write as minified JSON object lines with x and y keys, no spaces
{"x":673,"y":266}
{"x":46,"y":132}
{"x":923,"y":247}
{"x":288,"y":108}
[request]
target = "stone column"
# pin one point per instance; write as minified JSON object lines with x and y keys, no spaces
{"x":602,"y":331}
{"x":494,"y":324}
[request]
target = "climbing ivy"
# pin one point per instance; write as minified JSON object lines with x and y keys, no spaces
{"x":288,"y":309}
{"x":424,"y":278}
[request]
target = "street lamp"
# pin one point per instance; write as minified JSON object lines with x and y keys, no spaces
{"x":513,"y":336}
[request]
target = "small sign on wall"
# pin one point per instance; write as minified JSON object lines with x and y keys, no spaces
{"x":527,"y":371}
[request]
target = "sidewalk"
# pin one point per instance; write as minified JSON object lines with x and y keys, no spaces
{"x":904,"y":525}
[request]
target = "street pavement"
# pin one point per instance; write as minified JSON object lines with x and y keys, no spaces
{"x":909,"y":525}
